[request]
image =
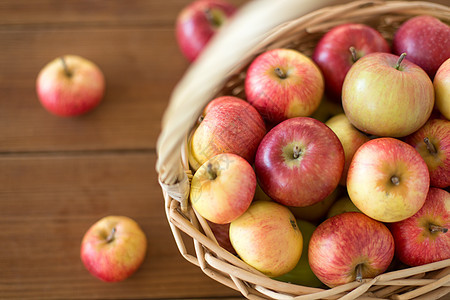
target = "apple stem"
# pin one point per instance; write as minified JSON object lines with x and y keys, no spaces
{"x":436,"y":228}
{"x":297,"y":152}
{"x":280,"y":73}
{"x":359,"y":276}
{"x":110,"y":237}
{"x":66,"y":68}
{"x":430,"y":147}
{"x":353,"y":52}
{"x":395,"y":180}
{"x":399,"y":61}
{"x":210,"y":171}
{"x":210,"y":17}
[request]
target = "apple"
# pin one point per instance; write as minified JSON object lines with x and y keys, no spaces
{"x":299,"y":162}
{"x":424,"y":237}
{"x":327,"y":109}
{"x":113,"y":248}
{"x":441,"y":84}
{"x":70,"y":85}
{"x":350,"y":246}
{"x":302,"y":273}
{"x":340,"y":48}
{"x":223,"y":188}
{"x":385,"y":95}
{"x":432,"y":141}
{"x":388,"y":180}
{"x":198,"y":22}
{"x":342,"y":205}
{"x":222,"y":234}
{"x":350,"y":137}
{"x":315,"y":212}
{"x":267,"y":238}
{"x":426,"y":40}
{"x":283,"y":84}
{"x":229,"y":125}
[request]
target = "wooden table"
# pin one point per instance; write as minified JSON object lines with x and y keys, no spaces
{"x":60,"y":175}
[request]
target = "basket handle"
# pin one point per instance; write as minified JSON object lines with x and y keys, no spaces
{"x":230,"y":49}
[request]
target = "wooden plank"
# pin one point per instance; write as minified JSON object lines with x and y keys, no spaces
{"x":106,"y":12}
{"x":48,"y":202}
{"x":141,"y":67}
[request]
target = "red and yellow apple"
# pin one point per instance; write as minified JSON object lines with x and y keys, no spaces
{"x":113,"y":248}
{"x":223,"y":188}
{"x":388,"y":180}
{"x":267,"y":238}
{"x":283,"y":84}
{"x":441,"y":84}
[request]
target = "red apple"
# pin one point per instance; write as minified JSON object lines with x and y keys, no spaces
{"x":385,"y":95}
{"x":424,"y":237}
{"x":426,"y":40}
{"x":388,"y":180}
{"x":222,"y":234}
{"x":441,"y":84}
{"x":282,"y":84}
{"x":223,"y":188}
{"x":350,"y":246}
{"x":350,"y":138}
{"x":113,"y":248}
{"x":299,"y":162}
{"x":229,"y":125}
{"x":198,"y":22}
{"x":432,"y":141}
{"x":340,"y":48}
{"x":70,"y":85}
{"x":267,"y":238}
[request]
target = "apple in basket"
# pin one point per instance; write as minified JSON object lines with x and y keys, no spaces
{"x":198,"y":22}
{"x":299,"y":162}
{"x":350,"y":246}
{"x":267,"y":238}
{"x":441,"y":84}
{"x":314,"y":213}
{"x":113,"y":248}
{"x":230,"y":125}
{"x":426,"y":40}
{"x":385,"y":95}
{"x":223,"y":188}
{"x":350,"y":137}
{"x":424,"y":237}
{"x":432,"y":141}
{"x":342,"y":205}
{"x":70,"y":85}
{"x":388,"y":180}
{"x":340,"y":48}
{"x":282,"y":84}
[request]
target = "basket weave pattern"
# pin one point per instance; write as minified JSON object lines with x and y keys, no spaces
{"x":200,"y":85}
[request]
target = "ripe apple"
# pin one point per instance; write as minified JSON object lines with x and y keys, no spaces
{"x":70,"y":85}
{"x":327,"y":109}
{"x":385,"y":95}
{"x":424,"y":237}
{"x":350,"y":246}
{"x":432,"y":141}
{"x":302,"y":273}
{"x":267,"y":238}
{"x":315,"y":212}
{"x":299,"y":162}
{"x":426,"y":40}
{"x":229,"y":125}
{"x":441,"y":84}
{"x":340,"y":48}
{"x":198,"y":22}
{"x":388,"y":180}
{"x":350,"y":137}
{"x":283,"y":84}
{"x":223,"y":188}
{"x":113,"y":248}
{"x":222,"y":234}
{"x":342,"y":205}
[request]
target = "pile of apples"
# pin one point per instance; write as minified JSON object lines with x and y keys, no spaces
{"x":267,"y":175}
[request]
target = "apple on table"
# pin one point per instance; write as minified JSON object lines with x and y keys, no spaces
{"x":70,"y":85}
{"x":113,"y":248}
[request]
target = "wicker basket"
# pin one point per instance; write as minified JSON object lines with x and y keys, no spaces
{"x":259,"y":26}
